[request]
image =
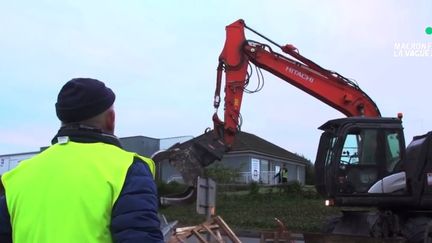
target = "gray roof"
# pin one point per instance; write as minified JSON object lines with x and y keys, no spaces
{"x":247,"y":142}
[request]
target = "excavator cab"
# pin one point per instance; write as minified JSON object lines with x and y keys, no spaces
{"x":360,"y":158}
{"x":384,"y":189}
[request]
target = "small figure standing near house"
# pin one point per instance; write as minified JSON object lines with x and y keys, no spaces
{"x":282,"y":175}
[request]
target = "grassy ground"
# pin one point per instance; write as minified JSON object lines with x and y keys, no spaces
{"x":299,"y":211}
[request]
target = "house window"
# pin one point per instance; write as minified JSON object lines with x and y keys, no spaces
{"x":264,"y":165}
{"x":298,"y":173}
{"x":265,"y":176}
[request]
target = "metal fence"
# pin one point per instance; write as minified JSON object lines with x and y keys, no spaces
{"x":265,"y":177}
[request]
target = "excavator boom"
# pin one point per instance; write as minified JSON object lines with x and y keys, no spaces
{"x":329,"y":87}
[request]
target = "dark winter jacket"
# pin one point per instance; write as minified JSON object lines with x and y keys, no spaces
{"x":134,"y":215}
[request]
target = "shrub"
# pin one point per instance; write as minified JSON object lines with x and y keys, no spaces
{"x":232,"y":187}
{"x":254,"y":188}
{"x":169,"y":188}
{"x":222,"y":174}
{"x":293,"y":188}
{"x":310,"y":192}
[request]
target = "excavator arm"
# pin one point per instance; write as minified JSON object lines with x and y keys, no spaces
{"x":327,"y":86}
{"x":190,"y":157}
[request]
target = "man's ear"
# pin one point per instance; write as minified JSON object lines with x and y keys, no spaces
{"x":110,"y":121}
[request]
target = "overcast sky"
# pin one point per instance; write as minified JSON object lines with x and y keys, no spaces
{"x":160,"y":58}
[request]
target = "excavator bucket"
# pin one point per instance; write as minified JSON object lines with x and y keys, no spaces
{"x":190,"y":158}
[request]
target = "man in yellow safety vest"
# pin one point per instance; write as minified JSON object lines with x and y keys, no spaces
{"x":85,"y":187}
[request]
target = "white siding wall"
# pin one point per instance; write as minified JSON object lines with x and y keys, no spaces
{"x":8,"y":162}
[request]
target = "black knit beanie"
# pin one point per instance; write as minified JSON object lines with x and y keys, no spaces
{"x":83,"y":98}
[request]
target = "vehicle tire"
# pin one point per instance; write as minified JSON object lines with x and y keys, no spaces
{"x":415,"y":229}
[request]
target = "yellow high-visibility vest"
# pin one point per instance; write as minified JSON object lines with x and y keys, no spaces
{"x":66,"y":193}
{"x":284,"y":173}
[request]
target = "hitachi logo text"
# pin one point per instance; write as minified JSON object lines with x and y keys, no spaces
{"x":300,"y":74}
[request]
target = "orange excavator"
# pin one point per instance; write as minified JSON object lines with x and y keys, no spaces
{"x":361,"y":160}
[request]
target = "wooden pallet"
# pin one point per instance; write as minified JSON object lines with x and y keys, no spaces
{"x":213,"y":230}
